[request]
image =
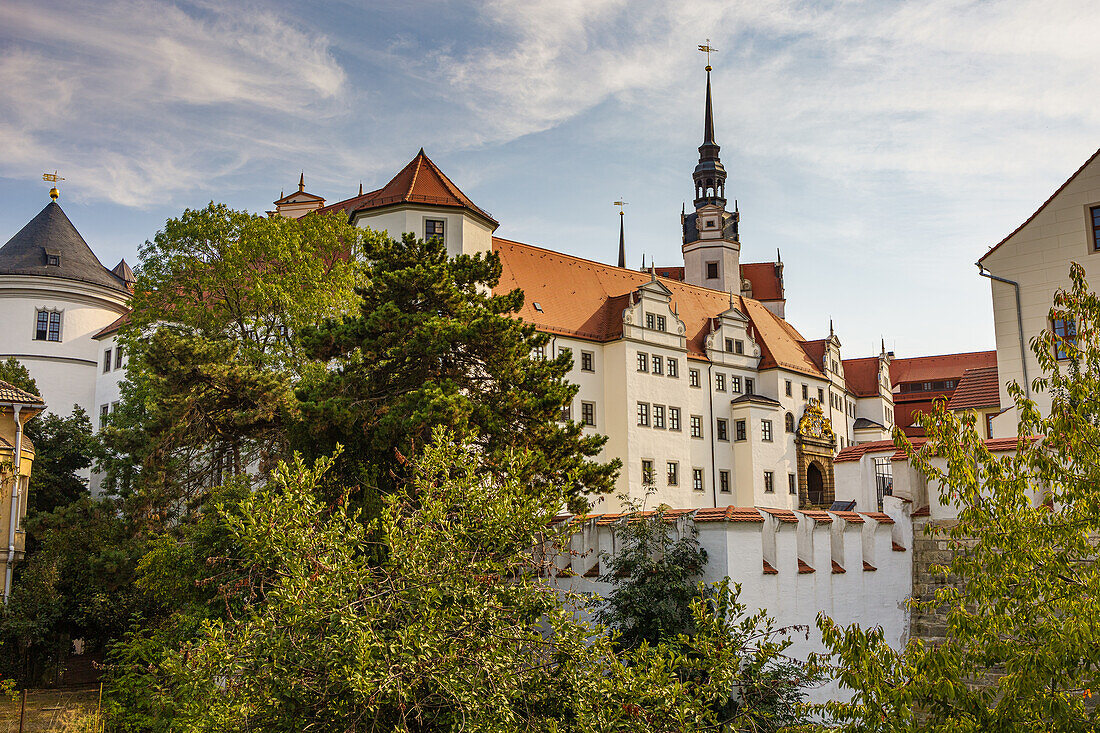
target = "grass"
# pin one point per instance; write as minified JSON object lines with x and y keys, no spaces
{"x":66,"y":710}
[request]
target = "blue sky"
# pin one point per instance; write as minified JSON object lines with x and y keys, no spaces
{"x":881,"y":146}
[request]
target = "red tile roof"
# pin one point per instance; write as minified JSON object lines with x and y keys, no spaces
{"x":586,"y":299}
{"x":837,"y":568}
{"x":879,"y":517}
{"x":783,"y":515}
{"x":817,"y":514}
{"x":113,"y":326}
{"x":672,"y":273}
{"x":851,"y":517}
{"x":816,"y":351}
{"x":861,"y":376}
{"x":420,"y":182}
{"x":939,"y":367}
{"x":924,"y":511}
{"x":857,"y":451}
{"x":1042,"y":206}
{"x":13,"y":394}
{"x":767,"y":283}
{"x":804,"y":567}
{"x":978,"y":388}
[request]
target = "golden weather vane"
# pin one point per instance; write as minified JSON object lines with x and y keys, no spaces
{"x":620,"y":204}
{"x":708,"y":50}
{"x":54,"y":179}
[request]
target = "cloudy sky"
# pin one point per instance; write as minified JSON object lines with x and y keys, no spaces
{"x":881,"y":146}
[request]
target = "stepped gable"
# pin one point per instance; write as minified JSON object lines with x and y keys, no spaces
{"x":419,"y":182}
{"x":586,"y":299}
{"x":51,"y":232}
{"x":977,"y":389}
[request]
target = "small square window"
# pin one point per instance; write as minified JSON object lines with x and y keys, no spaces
{"x":769,"y":482}
{"x":693,"y":377}
{"x":696,"y":426}
{"x":673,"y":367}
{"x":588,"y":413}
{"x":724,"y":481}
{"x":742,"y":430}
{"x":433,"y":228}
{"x":673,"y":473}
{"x":712,"y":271}
{"x":53,"y":260}
{"x":587,"y":361}
{"x":722,"y":431}
{"x":697,"y":479}
{"x":643,"y":414}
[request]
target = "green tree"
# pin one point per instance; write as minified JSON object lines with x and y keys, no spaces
{"x":454,"y":629}
{"x":219,"y":298}
{"x":1022,"y":646}
{"x":14,"y":373}
{"x":433,"y":346}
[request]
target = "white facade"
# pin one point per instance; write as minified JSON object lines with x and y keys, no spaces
{"x":1037,"y":256}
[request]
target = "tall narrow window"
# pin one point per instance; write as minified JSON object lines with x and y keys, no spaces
{"x":693,"y":377}
{"x":735,"y":384}
{"x":696,"y":426}
{"x":720,"y":382}
{"x":567,"y":413}
{"x":643,"y":414}
{"x":107,"y":361}
{"x":673,"y":367}
{"x":104,"y":411}
{"x":673,"y":473}
{"x":47,"y":326}
{"x":724,"y":481}
{"x":742,"y":430}
{"x":661,"y":323}
{"x":766,"y":430}
{"x":588,"y":413}
{"x":792,"y":483}
{"x":433,"y":228}
{"x":750,"y":386}
{"x":805,"y":392}
{"x":788,"y":422}
{"x":1094,"y":212}
{"x":729,"y":345}
{"x":739,"y":347}
{"x":697,"y":479}
{"x":650,"y":321}
{"x":587,"y":361}
{"x":118,"y":357}
{"x":884,"y":479}
{"x":722,"y":430}
{"x":647,"y":471}
{"x":643,"y":362}
{"x":712,"y":271}
{"x":659,"y":416}
{"x":657,"y":364}
{"x":769,"y":482}
{"x":1065,"y":334}
{"x":787,"y":387}
{"x":674,"y":418}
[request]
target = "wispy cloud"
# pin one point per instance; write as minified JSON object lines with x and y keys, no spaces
{"x":139,"y":99}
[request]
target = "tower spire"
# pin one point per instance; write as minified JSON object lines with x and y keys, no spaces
{"x":709,"y":175}
{"x":708,"y":116}
{"x":622,"y":234}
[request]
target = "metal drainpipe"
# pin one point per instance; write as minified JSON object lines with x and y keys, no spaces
{"x":1019,"y":321}
{"x":713,"y":464}
{"x":14,"y":503}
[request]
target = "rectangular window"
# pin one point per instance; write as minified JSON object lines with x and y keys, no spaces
{"x":769,"y":482}
{"x":722,"y":431}
{"x":805,"y":392}
{"x":673,"y":367}
{"x":41,"y":326}
{"x":643,"y":414}
{"x":674,"y":418}
{"x":696,"y":426}
{"x":693,"y":377}
{"x":742,"y":430}
{"x":647,"y":471}
{"x":989,"y":425}
{"x":47,"y":326}
{"x":567,"y":413}
{"x":643,"y":362}
{"x":587,"y":362}
{"x":884,"y":479}
{"x":659,"y":416}
{"x":658,"y":363}
{"x":539,"y":353}
{"x":724,"y":481}
{"x":104,"y":411}
{"x":661,"y":323}
{"x":118,"y":357}
{"x":750,"y":386}
{"x":792,"y":483}
{"x":107,"y":361}
{"x":720,"y":382}
{"x":1065,"y":334}
{"x":697,"y":479}
{"x":588,"y":413}
{"x":766,"y":430}
{"x":820,"y":396}
{"x":1094,"y":212}
{"x":729,"y":345}
{"x":650,"y":321}
{"x":788,"y":388}
{"x":673,"y":473}
{"x":739,"y":346}
{"x":712,"y":271}
{"x":433,"y":228}
{"x":735,"y":384}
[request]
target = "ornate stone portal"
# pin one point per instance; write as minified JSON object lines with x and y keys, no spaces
{"x":815,"y":444}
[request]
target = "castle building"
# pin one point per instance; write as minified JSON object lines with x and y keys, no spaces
{"x":1027,"y":267}
{"x":708,"y":396}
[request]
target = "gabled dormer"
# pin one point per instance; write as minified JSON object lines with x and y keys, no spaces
{"x":298,"y":203}
{"x":731,"y":341}
{"x":651,"y":316}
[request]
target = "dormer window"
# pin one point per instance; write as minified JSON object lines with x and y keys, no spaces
{"x":53,"y":258}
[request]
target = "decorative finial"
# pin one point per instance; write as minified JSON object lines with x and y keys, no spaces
{"x":622,"y":234}
{"x":883,"y":346}
{"x":302,"y":182}
{"x":707,"y":49}
{"x":54,"y":178}
{"x":778,"y":257}
{"x":831,"y":332}
{"x":360,"y":188}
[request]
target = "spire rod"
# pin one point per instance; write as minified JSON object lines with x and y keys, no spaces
{"x":302,"y":182}
{"x":360,"y":188}
{"x":622,"y":234}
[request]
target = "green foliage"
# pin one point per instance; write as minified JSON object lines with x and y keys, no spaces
{"x":15,"y":374}
{"x":453,"y":630}
{"x":1022,"y":616}
{"x":431,"y":346}
{"x":64,"y":447}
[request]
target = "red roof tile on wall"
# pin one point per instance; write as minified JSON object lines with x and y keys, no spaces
{"x":857,"y":451}
{"x":783,"y":515}
{"x":879,"y":517}
{"x":768,"y":569}
{"x":852,"y":517}
{"x":817,"y":514}
{"x":837,"y":568}
{"x":804,"y":568}
{"x":868,"y":566}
